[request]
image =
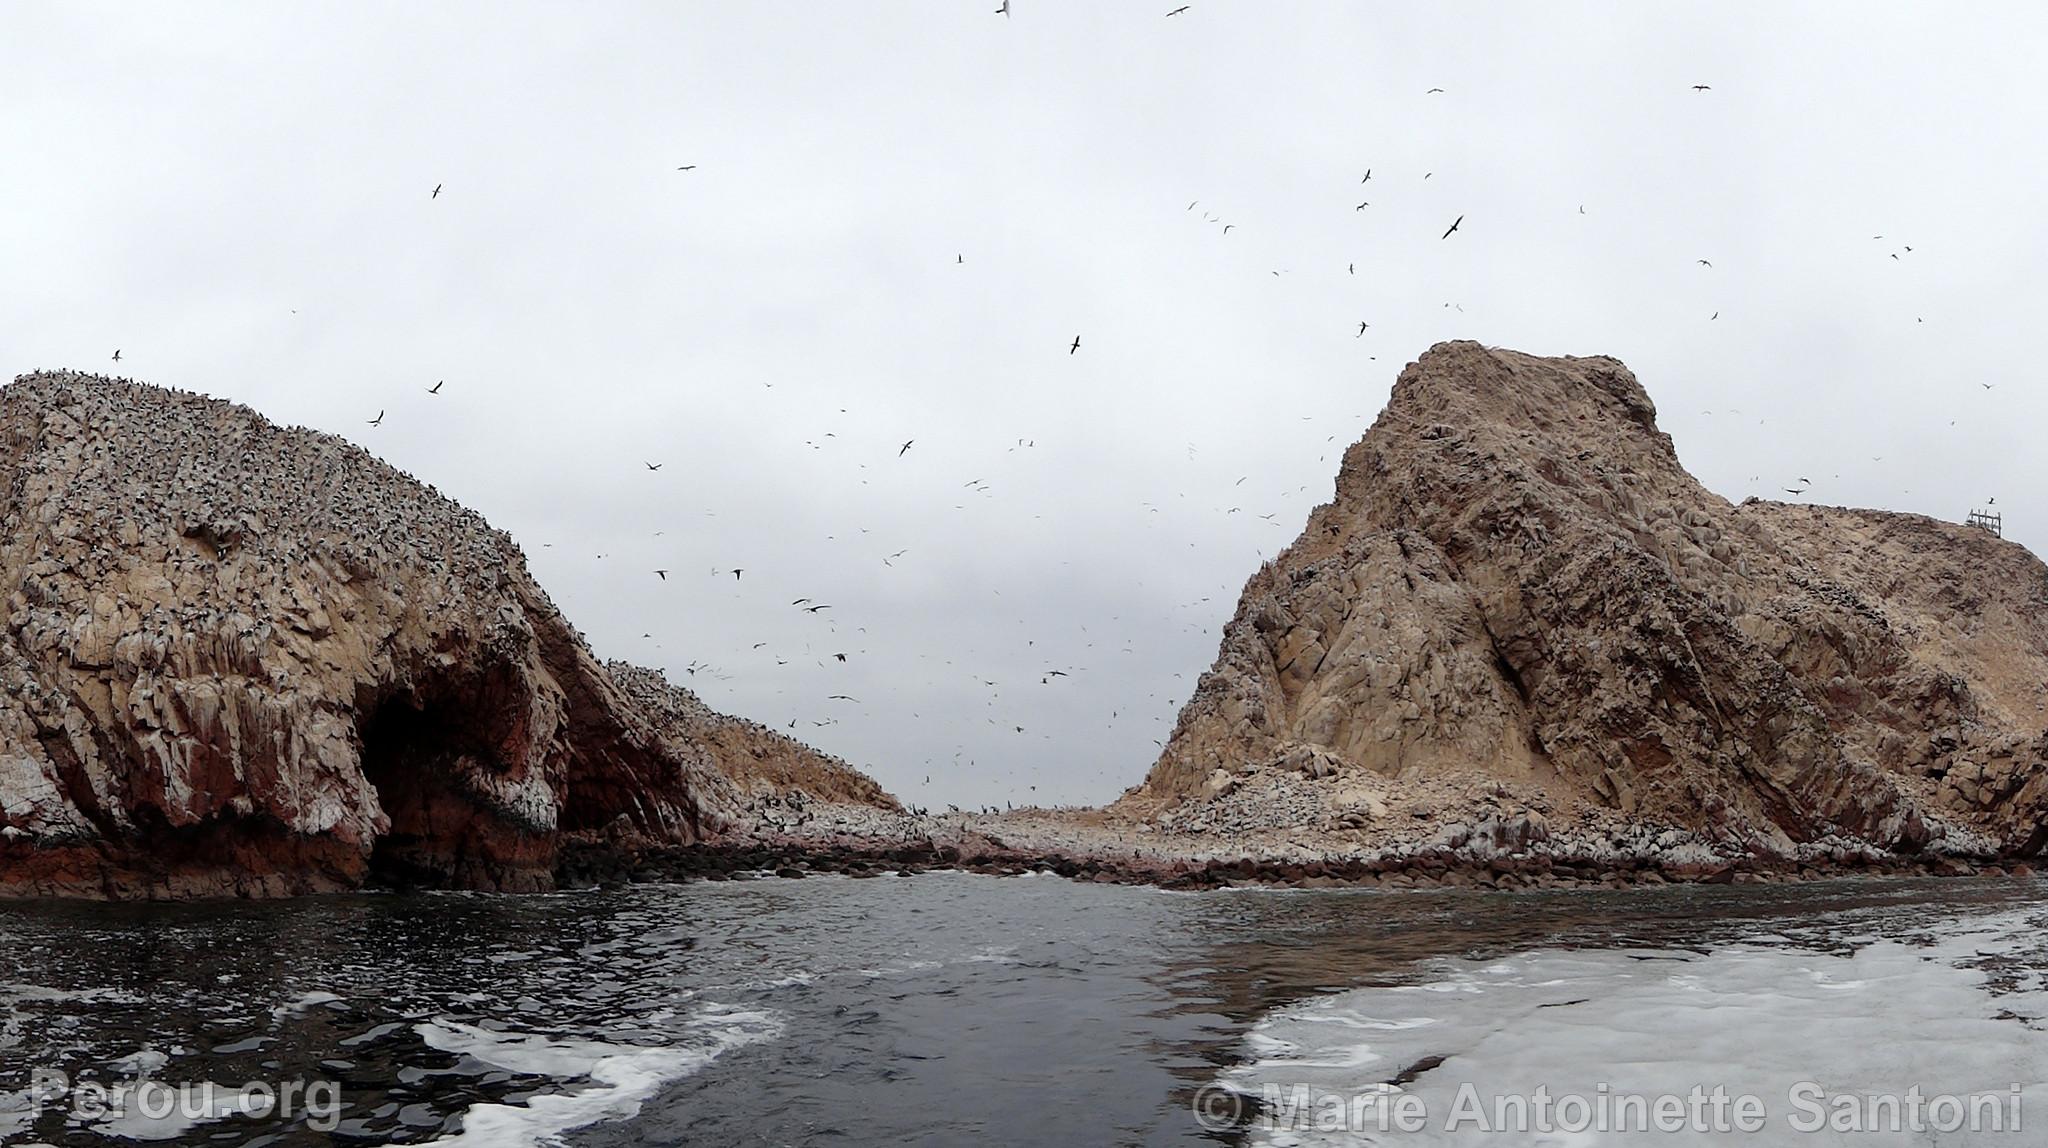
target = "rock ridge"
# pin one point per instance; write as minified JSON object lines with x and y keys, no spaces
{"x":245,"y":659}
{"x":1517,"y":583}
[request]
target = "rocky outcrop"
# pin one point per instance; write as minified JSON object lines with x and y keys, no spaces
{"x":758,"y":761}
{"x":248,"y":659}
{"x":1517,"y":586}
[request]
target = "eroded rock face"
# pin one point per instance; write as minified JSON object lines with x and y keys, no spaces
{"x":242,"y":658}
{"x":757,"y":760}
{"x":1518,"y":580}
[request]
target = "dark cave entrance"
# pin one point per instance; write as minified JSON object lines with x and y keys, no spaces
{"x":415,"y":747}
{"x":458,"y":766}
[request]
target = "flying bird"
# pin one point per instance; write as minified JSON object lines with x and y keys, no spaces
{"x":1076,"y":346}
{"x":1362,"y":325}
{"x":841,"y":657}
{"x":906,"y":448}
{"x":688,"y":167}
{"x":736,"y":574}
{"x":1452,"y":227}
{"x":841,"y":698}
{"x":437,"y":192}
{"x":1432,"y":91}
{"x":815,"y":609}
{"x":1227,"y":227}
{"x":663,"y":573}
{"x":1368,"y":176}
{"x":117,"y":354}
{"x":1362,"y":206}
{"x":436,"y":388}
{"x":1004,"y":11}
{"x":1702,"y":87}
{"x":1179,"y":10}
{"x":1702,"y":263}
{"x":652,"y":465}
{"x":379,"y":420}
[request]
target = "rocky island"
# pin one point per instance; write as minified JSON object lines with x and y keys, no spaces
{"x":1522,"y":629}
{"x":245,"y":659}
{"x":1521,"y":646}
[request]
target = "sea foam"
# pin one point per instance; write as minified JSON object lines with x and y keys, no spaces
{"x":610,"y":1080}
{"x":1954,"y":1014}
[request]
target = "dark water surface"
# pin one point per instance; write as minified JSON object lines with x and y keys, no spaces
{"x":940,"y":1009}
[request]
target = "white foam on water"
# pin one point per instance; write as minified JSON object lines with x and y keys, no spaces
{"x":184,"y":1107}
{"x":17,"y":1112}
{"x":300,"y":1004}
{"x":612,"y":1080}
{"x":37,"y":994}
{"x":145,"y":1061}
{"x":1756,"y":1018}
{"x":789,"y":982}
{"x":897,"y":970}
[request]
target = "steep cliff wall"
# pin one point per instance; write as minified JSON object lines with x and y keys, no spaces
{"x":242,"y":658}
{"x":1517,"y":582}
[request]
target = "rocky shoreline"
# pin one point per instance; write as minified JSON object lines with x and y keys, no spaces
{"x":1514,"y":853}
{"x":581,"y":869}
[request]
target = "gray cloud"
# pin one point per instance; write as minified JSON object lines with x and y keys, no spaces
{"x":238,"y":198}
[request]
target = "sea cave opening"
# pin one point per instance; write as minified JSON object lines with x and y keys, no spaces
{"x":414,"y":744}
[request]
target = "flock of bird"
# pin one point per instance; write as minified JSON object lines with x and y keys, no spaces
{"x":1200,"y":611}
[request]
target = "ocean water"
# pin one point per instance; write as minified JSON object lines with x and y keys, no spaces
{"x":947,"y":1009}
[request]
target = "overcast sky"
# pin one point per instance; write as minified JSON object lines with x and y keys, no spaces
{"x":237,"y":197}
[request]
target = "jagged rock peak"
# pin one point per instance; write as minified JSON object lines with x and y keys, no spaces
{"x":1517,"y":582}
